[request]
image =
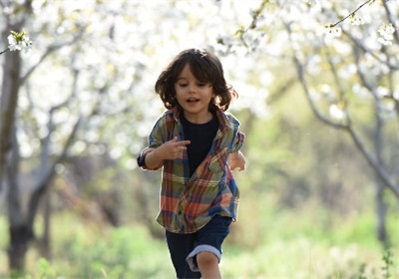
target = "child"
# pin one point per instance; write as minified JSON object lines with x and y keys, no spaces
{"x":197,"y":145}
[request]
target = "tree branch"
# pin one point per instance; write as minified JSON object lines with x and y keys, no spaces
{"x":374,"y":163}
{"x":348,"y":127}
{"x":363,"y":47}
{"x":49,"y":51}
{"x":44,"y":181}
{"x":366,"y":83}
{"x":337,"y":79}
{"x":255,"y":17}
{"x":352,"y":13}
{"x":48,"y":171}
{"x":300,"y":71}
{"x":4,"y":51}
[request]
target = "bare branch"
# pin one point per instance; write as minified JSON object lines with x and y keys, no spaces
{"x":4,"y":51}
{"x":49,"y":51}
{"x":337,"y":79}
{"x":45,"y":179}
{"x":366,"y":83}
{"x":301,"y":75}
{"x":352,"y":13}
{"x":374,"y":163}
{"x":51,"y":128}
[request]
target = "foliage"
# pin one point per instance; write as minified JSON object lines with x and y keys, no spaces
{"x":304,"y":250}
{"x":323,"y":61}
{"x":94,"y":69}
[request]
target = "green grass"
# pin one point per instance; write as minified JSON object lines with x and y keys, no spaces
{"x":270,"y":244}
{"x":301,"y":258}
{"x":309,"y":244}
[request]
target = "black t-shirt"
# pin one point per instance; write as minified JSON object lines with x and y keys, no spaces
{"x":201,"y":137}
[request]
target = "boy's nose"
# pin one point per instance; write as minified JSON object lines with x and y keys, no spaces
{"x":191,"y":88}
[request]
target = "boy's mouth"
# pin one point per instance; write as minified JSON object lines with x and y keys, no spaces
{"x":192,"y":100}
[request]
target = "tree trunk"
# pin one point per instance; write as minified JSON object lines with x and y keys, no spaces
{"x":45,"y":240}
{"x":381,"y":206}
{"x":8,"y":103}
{"x":20,"y":237}
{"x":381,"y":212}
{"x":20,"y":234}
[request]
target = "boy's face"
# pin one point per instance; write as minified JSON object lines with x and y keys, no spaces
{"x":193,"y":96}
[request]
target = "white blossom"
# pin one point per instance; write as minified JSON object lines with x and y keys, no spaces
{"x":311,"y":2}
{"x":19,"y":41}
{"x":356,"y":20}
{"x":386,"y":34}
{"x":333,"y":32}
{"x":337,"y":112}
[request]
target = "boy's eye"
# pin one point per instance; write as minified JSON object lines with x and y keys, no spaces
{"x":185,"y":84}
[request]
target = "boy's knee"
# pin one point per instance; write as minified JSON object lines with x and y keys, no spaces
{"x":207,"y":259}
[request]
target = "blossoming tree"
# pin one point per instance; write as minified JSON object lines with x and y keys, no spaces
{"x":359,"y":57}
{"x":100,"y":58}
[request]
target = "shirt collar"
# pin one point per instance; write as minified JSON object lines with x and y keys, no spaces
{"x":176,"y":113}
{"x":225,"y":123}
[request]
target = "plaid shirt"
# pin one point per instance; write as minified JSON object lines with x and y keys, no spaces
{"x":188,"y":203}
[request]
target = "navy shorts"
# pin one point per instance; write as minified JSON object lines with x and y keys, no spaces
{"x":184,"y":248}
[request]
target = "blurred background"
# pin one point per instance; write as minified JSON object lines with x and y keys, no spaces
{"x":319,"y":104}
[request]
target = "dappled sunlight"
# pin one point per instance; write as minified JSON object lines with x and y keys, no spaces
{"x":318,"y":103}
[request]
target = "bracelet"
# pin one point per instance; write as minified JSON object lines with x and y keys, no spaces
{"x":141,"y":159}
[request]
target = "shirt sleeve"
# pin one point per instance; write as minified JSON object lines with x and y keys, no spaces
{"x":158,"y":134}
{"x":238,"y":136}
{"x":156,"y":138}
{"x":238,"y":141}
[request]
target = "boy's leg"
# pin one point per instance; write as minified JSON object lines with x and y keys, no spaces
{"x":208,"y":250}
{"x":208,"y":264}
{"x":180,"y":245}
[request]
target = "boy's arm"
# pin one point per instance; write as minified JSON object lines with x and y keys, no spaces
{"x":153,"y":157}
{"x":141,"y":159}
{"x":237,"y":160}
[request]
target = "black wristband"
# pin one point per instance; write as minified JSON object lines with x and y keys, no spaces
{"x":141,"y":160}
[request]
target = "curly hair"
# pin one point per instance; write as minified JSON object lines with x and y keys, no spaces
{"x":206,"y":67}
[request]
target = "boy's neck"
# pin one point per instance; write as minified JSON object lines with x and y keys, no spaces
{"x":198,"y":119}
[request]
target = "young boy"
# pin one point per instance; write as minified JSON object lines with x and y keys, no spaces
{"x":197,"y":144}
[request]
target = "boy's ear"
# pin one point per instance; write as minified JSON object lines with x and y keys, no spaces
{"x":214,"y":94}
{"x":214,"y":98}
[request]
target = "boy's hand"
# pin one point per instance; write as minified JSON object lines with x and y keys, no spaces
{"x":172,"y":149}
{"x":237,"y":160}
